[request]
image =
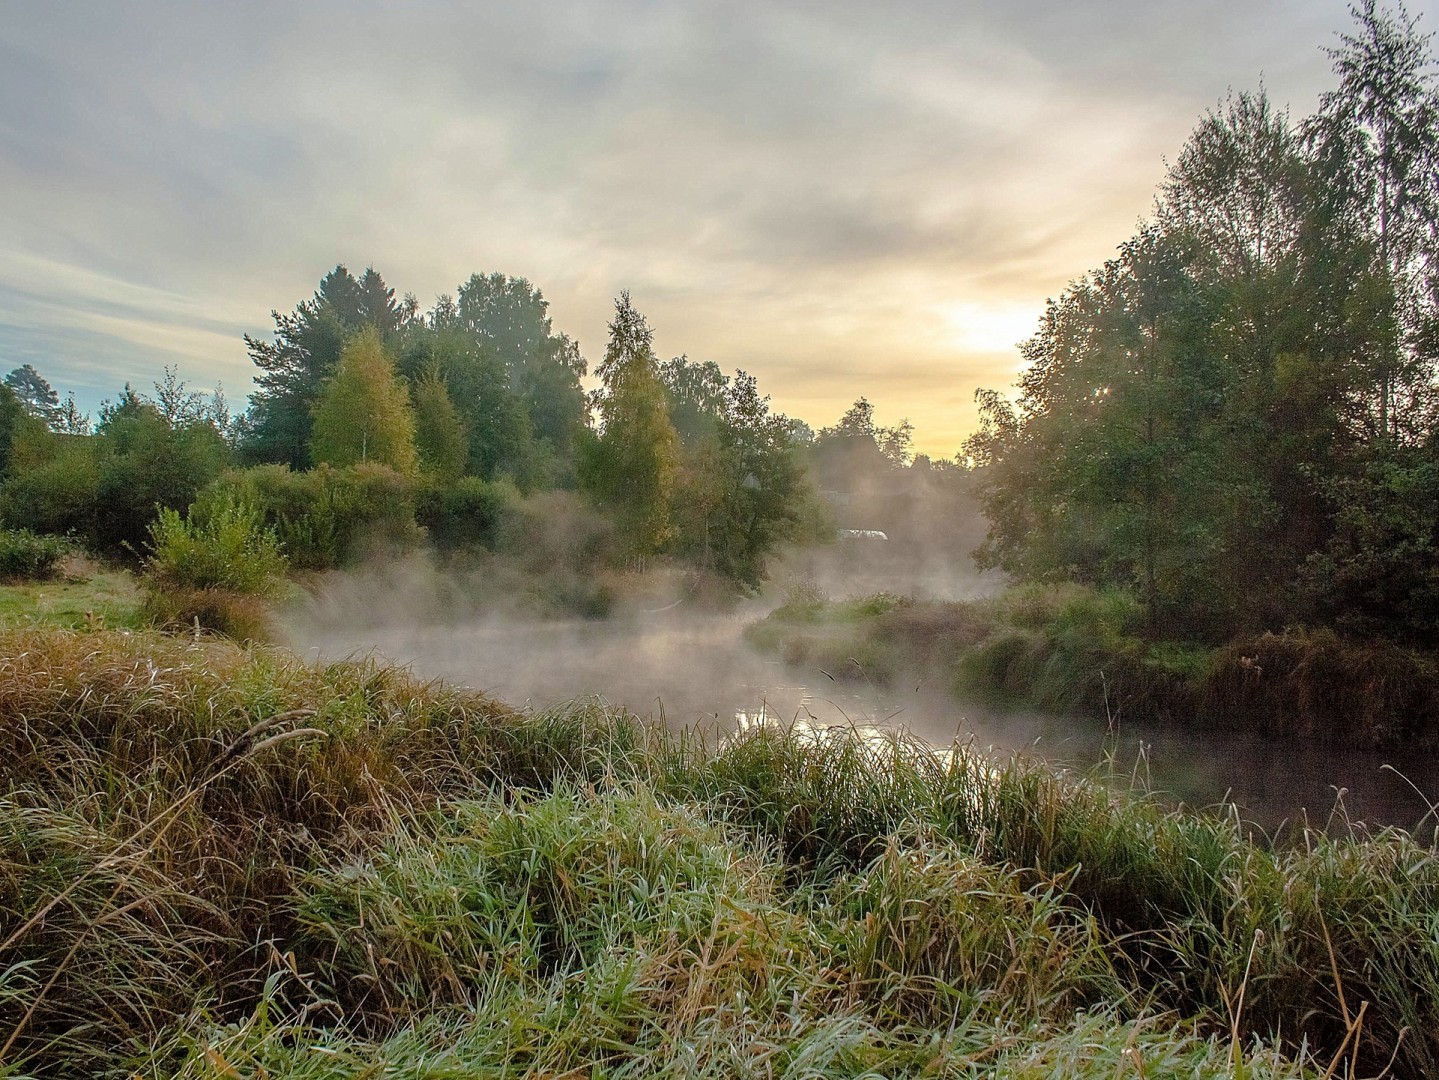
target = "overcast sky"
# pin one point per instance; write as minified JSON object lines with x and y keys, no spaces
{"x":841,"y":198}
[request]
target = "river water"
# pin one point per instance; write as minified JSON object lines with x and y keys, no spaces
{"x":699,"y":671}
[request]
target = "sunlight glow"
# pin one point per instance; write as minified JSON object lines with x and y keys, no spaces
{"x":996,"y":327}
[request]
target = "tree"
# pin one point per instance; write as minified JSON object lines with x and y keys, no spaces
{"x":16,"y":421}
{"x":35,"y":394}
{"x":1378,"y":575}
{"x":439,"y":431}
{"x":631,"y":467}
{"x":1116,"y":464}
{"x":303,"y":355}
{"x":508,"y":319}
{"x":740,"y":487}
{"x":143,"y":462}
{"x":1375,"y":141}
{"x":177,"y":403}
{"x":364,"y":411}
{"x":498,"y":437}
{"x":856,"y":452}
{"x":71,"y":420}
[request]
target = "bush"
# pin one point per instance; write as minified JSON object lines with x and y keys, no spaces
{"x":327,"y":517}
{"x":27,"y":557}
{"x":468,"y":513}
{"x":55,"y":494}
{"x":221,"y":546}
{"x":213,"y":570}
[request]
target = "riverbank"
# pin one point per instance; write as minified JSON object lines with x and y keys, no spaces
{"x":1074,"y":649}
{"x":217,"y":861}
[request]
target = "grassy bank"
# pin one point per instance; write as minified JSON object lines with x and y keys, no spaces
{"x":217,"y":862}
{"x":1071,"y":648}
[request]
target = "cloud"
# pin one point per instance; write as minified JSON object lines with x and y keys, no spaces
{"x":801,"y":189}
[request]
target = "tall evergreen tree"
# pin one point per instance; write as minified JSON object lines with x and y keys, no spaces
{"x":305,"y":350}
{"x":35,"y":394}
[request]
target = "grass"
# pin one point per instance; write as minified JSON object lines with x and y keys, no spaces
{"x":218,"y":862}
{"x":83,"y":597}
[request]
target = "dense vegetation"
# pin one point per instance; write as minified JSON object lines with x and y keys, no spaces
{"x":217,"y":862}
{"x":1083,"y":651}
{"x":378,"y":428}
{"x":1236,"y":417}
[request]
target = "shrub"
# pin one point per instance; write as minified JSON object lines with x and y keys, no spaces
{"x":214,"y":570}
{"x":221,"y":546}
{"x":55,"y":494}
{"x":27,"y":557}
{"x":327,"y":517}
{"x":468,"y":513}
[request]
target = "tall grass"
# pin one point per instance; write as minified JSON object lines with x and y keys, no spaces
{"x":219,"y":862}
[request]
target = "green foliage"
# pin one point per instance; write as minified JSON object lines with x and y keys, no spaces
{"x":856,"y":451}
{"x":214,"y":569}
{"x":55,"y":491}
{"x":221,"y":545}
{"x":740,"y":489}
{"x":1232,"y":395}
{"x":105,"y":488}
{"x":448,"y":884}
{"x":15,"y":421}
{"x":327,"y":517}
{"x":508,"y":318}
{"x":304,"y":354}
{"x":36,"y":395}
{"x":1375,"y":145}
{"x":27,"y":557}
{"x":498,"y":436}
{"x":363,"y":413}
{"x":631,"y":467}
{"x":936,"y":936}
{"x":440,"y":435}
{"x":469,"y":513}
{"x":1378,"y":576}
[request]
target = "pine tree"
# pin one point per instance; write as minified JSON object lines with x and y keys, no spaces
{"x":35,"y":394}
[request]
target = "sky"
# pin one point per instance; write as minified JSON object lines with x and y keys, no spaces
{"x":840,"y":198}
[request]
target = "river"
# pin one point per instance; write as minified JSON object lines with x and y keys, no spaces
{"x":699,"y":671}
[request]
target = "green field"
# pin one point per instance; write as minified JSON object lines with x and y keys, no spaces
{"x":92,"y":599}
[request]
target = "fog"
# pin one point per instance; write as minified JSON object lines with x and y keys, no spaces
{"x":663,"y":653}
{"x":663,"y":656}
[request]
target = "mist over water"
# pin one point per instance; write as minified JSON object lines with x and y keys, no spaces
{"x":661,"y":658}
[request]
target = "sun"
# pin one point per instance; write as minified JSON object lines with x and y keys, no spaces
{"x":994,"y":327}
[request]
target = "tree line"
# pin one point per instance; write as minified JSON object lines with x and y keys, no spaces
{"x":371,"y":418}
{"x":1237,"y":416}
